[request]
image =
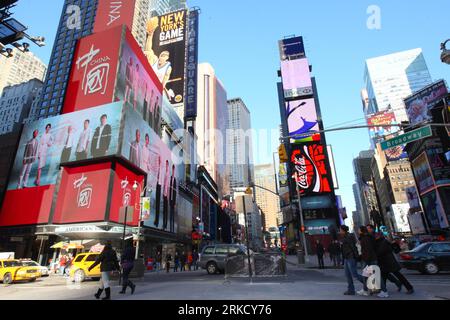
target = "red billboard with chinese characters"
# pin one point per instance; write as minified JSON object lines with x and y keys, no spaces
{"x":123,"y":194}
{"x":83,"y":193}
{"x":310,"y":169}
{"x":114,"y":13}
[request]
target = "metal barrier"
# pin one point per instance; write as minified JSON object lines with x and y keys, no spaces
{"x":262,"y":265}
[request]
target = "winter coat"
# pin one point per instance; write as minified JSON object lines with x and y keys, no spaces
{"x":385,"y":256}
{"x":127,"y":258}
{"x":349,"y":250}
{"x":368,"y":253}
{"x":107,"y":260}
{"x":320,"y":250}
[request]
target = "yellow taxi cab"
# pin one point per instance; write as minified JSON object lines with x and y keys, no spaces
{"x":79,"y":269}
{"x":13,"y":270}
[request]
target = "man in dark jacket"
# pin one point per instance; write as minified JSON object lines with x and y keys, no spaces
{"x":102,"y":138}
{"x":320,"y":252}
{"x":108,"y":263}
{"x":127,"y":262}
{"x":350,"y":255}
{"x":388,"y":264}
{"x":368,"y":254}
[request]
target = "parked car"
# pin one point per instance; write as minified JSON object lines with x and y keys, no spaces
{"x":13,"y":271}
{"x":213,"y":257}
{"x":30,"y":263}
{"x":79,"y":270}
{"x":428,"y":258}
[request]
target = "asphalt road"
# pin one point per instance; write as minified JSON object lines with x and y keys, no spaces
{"x":300,"y":284}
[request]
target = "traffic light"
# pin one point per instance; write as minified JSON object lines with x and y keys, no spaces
{"x":249,"y":191}
{"x":302,"y":229}
{"x":282,"y":154}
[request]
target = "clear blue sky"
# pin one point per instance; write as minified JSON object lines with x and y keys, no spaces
{"x":239,"y":38}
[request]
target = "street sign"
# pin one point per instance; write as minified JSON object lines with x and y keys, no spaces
{"x":411,"y":136}
{"x":43,"y":238}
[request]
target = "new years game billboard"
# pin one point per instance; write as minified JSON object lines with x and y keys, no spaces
{"x":164,"y":168}
{"x":166,"y":52}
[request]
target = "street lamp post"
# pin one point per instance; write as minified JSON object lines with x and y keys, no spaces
{"x":445,"y":55}
{"x":301,"y":221}
{"x":220,"y":234}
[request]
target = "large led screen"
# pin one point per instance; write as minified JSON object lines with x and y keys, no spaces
{"x":45,"y":144}
{"x":296,"y":78}
{"x":434,"y":211}
{"x":422,"y":173}
{"x":166,"y":52}
{"x":380,"y":122}
{"x":113,"y":13}
{"x":302,"y":117}
{"x":164,"y":168}
{"x":310,"y":170}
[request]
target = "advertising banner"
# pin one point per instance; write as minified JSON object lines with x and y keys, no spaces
{"x":82,"y":194}
{"x":302,"y":117}
{"x":145,"y":211}
{"x":166,"y":52}
{"x":377,"y":134}
{"x":418,"y":105}
{"x":291,"y":49}
{"x":94,"y":68}
{"x":444,"y":193}
{"x":439,"y":166}
{"x":113,"y":13}
{"x":192,"y":66}
{"x":137,"y":85}
{"x":400,"y":214}
{"x":413,"y":199}
{"x":296,"y":78}
{"x":45,"y":144}
{"x":170,"y":117}
{"x":416,"y":223}
{"x":396,"y":153}
{"x":319,"y":227}
{"x":422,"y":173}
{"x":434,"y":211}
{"x":164,"y":167}
{"x":282,"y":176}
{"x":184,"y":217}
{"x":310,"y":171}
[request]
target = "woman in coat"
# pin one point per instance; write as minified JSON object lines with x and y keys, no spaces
{"x":388,"y":264}
{"x":108,"y":263}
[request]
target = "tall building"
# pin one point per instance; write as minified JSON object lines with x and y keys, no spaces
{"x":267,"y":201}
{"x":67,"y":35}
{"x":70,"y":31}
{"x":239,"y":144}
{"x":211,"y":125}
{"x":22,"y":67}
{"x":160,"y":7}
{"x":15,"y":104}
{"x":391,"y":78}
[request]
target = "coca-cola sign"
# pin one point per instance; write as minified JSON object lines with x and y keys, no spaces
{"x":310,"y":170}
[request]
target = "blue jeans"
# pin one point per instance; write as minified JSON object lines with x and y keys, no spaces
{"x":350,"y":273}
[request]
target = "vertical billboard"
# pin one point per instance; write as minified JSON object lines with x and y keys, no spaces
{"x":292,"y":48}
{"x":396,"y":153}
{"x":192,"y":66}
{"x":439,"y":166}
{"x":82,"y":194}
{"x":413,"y":199}
{"x":422,"y":173}
{"x":400,"y":214}
{"x":416,"y":223}
{"x":380,"y":122}
{"x":166,"y":52}
{"x":434,"y":210}
{"x":164,"y":168}
{"x":418,"y":105}
{"x":310,"y":170}
{"x":296,"y":78}
{"x":302,"y":117}
{"x":114,"y":13}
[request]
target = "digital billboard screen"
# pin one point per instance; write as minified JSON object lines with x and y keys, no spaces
{"x":310,"y":170}
{"x":292,"y":48}
{"x":439,"y":166}
{"x":113,"y":13}
{"x":396,"y":153}
{"x":381,"y":121}
{"x":302,"y":117}
{"x":45,"y":144}
{"x":164,"y":168}
{"x":418,"y":105}
{"x":166,"y":52}
{"x":434,"y":211}
{"x":296,"y":78}
{"x":422,"y":173}
{"x":192,"y":66}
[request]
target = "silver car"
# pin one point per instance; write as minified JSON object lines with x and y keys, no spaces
{"x":42,"y":269}
{"x":213,"y":257}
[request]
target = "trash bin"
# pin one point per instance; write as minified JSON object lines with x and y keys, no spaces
{"x":301,"y":257}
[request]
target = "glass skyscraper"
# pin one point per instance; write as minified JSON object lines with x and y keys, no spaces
{"x":160,"y":7}
{"x":58,"y":72}
{"x":391,"y":78}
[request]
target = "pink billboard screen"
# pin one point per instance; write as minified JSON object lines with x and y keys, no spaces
{"x":296,"y":78}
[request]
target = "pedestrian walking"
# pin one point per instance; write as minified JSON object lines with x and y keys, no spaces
{"x":189,"y":260}
{"x":127,"y":263}
{"x":158,"y":261}
{"x":350,"y":255}
{"x":195,"y":260}
{"x":338,"y":248}
{"x":168,"y":259}
{"x":182,"y":261}
{"x":388,"y":264}
{"x":176,"y":262}
{"x":108,"y":263}
{"x":368,"y":255}
{"x":320,"y":252}
{"x":332,"y":253}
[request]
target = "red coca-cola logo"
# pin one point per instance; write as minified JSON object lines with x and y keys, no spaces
{"x":304,"y":172}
